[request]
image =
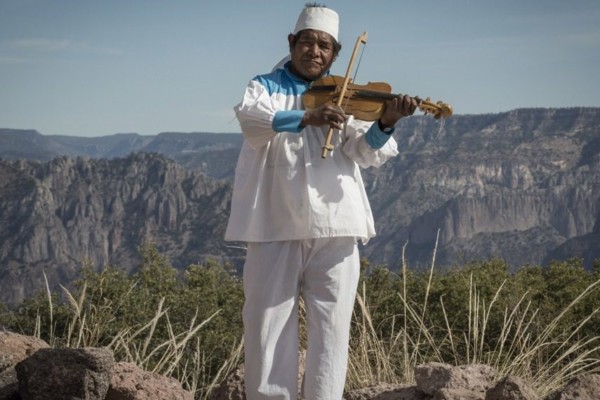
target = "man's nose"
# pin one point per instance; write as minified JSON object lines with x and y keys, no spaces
{"x":314,"y":49}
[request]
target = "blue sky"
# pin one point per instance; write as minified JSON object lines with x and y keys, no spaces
{"x":92,"y":68}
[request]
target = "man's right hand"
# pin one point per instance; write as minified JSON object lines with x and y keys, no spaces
{"x":327,"y":114}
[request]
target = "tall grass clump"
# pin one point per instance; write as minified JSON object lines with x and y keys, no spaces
{"x":182,"y":325}
{"x":538,"y":323}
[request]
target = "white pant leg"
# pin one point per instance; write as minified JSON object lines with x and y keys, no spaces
{"x":271,"y":289}
{"x":331,"y":274}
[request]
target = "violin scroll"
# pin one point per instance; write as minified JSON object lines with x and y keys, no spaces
{"x":438,"y":109}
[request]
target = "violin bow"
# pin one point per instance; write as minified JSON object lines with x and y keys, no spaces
{"x":362,"y":39}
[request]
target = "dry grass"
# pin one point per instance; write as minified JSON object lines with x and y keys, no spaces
{"x":547,"y":358}
{"x":169,"y":357}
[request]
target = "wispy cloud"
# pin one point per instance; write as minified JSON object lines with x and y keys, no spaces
{"x":53,"y":45}
{"x":40,"y":44}
{"x":12,"y":60}
{"x":591,"y":39}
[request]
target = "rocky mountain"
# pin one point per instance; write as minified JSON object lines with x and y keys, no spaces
{"x":522,"y":185}
{"x":58,"y":215}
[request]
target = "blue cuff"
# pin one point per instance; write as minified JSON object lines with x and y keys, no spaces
{"x":287,"y":121}
{"x":375,"y":137}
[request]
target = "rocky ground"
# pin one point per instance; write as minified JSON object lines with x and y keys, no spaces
{"x":31,"y":370}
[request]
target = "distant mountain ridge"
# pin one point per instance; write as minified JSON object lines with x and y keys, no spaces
{"x":522,"y":185}
{"x":190,"y":149}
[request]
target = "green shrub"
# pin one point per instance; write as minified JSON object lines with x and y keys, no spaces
{"x":539,"y":323}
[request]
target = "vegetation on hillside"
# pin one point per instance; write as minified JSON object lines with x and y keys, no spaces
{"x":538,"y":323}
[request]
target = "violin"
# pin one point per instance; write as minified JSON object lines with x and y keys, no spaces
{"x":364,"y":102}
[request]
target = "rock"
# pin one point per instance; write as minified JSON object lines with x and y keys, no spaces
{"x":9,"y":384}
{"x":386,"y":392}
{"x":511,"y":388}
{"x":433,"y":377}
{"x":129,"y":382}
{"x":13,"y":349}
{"x":42,"y":373}
{"x":232,"y":388}
{"x":583,"y":387}
{"x":51,"y":374}
{"x":458,"y":394}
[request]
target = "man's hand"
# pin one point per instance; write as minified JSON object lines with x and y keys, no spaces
{"x":327,"y":114}
{"x":398,"y":108}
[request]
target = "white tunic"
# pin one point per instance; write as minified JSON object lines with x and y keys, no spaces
{"x":283,"y":189}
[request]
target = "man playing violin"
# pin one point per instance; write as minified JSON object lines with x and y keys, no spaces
{"x":302,"y":215}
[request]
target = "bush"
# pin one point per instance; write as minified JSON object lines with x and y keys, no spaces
{"x":185,"y":325}
{"x":537,"y":323}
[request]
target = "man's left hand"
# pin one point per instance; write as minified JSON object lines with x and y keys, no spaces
{"x":398,"y":108}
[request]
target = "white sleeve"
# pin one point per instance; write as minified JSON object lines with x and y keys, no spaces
{"x":357,"y":148}
{"x":255,"y":114}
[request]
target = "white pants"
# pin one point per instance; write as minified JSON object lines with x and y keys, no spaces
{"x":326,"y":272}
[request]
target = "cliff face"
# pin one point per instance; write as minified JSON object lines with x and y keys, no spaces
{"x":515,"y":185}
{"x":59,"y":214}
{"x":522,"y":185}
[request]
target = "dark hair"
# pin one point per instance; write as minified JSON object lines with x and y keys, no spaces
{"x":336,"y":45}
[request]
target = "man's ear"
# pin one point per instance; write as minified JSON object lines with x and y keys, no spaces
{"x":291,"y":41}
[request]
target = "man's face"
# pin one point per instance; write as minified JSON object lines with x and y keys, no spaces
{"x":312,"y":54}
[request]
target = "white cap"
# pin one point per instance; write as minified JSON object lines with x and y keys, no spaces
{"x":318,"y":18}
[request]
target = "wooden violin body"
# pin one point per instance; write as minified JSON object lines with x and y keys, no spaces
{"x":364,"y":102}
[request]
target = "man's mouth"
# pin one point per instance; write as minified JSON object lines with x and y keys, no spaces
{"x":313,"y":62}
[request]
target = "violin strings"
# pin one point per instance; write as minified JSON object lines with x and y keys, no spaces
{"x":362,"y":51}
{"x":358,"y":63}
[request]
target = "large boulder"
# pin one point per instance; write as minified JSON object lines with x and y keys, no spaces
{"x":51,"y":374}
{"x":13,"y":349}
